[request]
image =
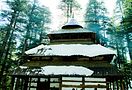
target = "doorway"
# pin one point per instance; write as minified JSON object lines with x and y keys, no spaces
{"x":43,"y":86}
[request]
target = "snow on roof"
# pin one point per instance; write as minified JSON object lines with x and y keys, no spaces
{"x":72,"y":21}
{"x":61,"y":70}
{"x":67,"y":70}
{"x":69,"y":50}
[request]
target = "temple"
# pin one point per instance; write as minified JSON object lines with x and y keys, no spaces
{"x":72,"y":60}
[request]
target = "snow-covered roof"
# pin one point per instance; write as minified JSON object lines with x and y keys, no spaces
{"x":70,"y":50}
{"x":72,"y":23}
{"x":67,"y":70}
{"x":58,"y":70}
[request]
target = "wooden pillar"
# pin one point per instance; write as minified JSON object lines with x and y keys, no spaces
{"x":49,"y":82}
{"x":122,"y":86}
{"x":21,"y":83}
{"x":29,"y":83}
{"x":12,"y":82}
{"x":113,"y":85}
{"x":110,"y":85}
{"x":107,"y":85}
{"x":60,"y":83}
{"x":26,"y":83}
{"x":117,"y":85}
{"x":17,"y":83}
{"x":83,"y":82}
{"x":38,"y":82}
{"x":126,"y":82}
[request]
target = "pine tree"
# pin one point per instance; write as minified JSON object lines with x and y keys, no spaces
{"x":35,"y":30}
{"x":16,"y":8}
{"x":127,"y":23}
{"x":95,"y":18}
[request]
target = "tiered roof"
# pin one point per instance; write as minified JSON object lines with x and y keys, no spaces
{"x":47,"y":57}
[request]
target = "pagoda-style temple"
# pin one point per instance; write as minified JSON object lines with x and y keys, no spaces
{"x":71,"y":61}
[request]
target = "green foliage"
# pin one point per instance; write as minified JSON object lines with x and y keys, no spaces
{"x":128,"y":70}
{"x":8,"y":43}
{"x":37,"y":18}
{"x":95,"y":19}
{"x":122,"y":35}
{"x":95,"y":11}
{"x":12,"y":15}
{"x":127,"y":23}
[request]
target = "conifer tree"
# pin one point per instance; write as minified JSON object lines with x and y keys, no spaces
{"x":12,"y":15}
{"x":95,"y":18}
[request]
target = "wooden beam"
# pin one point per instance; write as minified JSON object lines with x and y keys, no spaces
{"x":85,"y":86}
{"x":85,"y":81}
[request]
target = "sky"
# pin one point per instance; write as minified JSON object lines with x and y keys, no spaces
{"x":56,"y":13}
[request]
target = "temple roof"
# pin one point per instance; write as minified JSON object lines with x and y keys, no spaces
{"x":70,"y":50}
{"x":65,"y":71}
{"x":71,"y":24}
{"x":76,"y":30}
{"x":54,"y":70}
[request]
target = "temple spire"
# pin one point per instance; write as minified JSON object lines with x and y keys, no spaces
{"x":72,"y":24}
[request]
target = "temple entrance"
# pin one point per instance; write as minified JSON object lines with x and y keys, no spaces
{"x":43,"y":86}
